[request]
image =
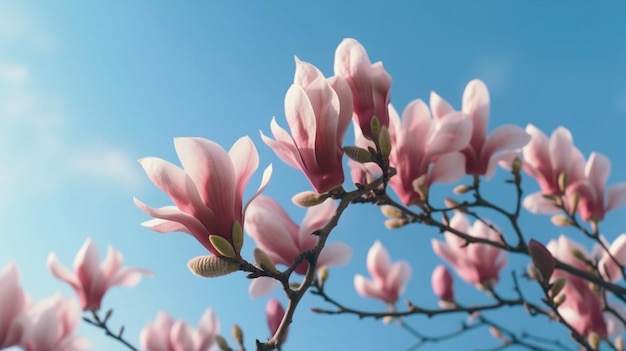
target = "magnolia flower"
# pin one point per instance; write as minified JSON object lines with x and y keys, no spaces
{"x":483,"y":153}
{"x":583,"y":308}
{"x":13,"y":302}
{"x":275,"y":313}
{"x":93,"y":279}
{"x":607,"y":265}
{"x":165,"y":334}
{"x":49,"y":326}
{"x":364,"y":173}
{"x":283,"y":240}
{"x":388,"y":280}
{"x":441,"y":282}
{"x":593,"y":205}
{"x":545,"y":160}
{"x":425,"y":149}
{"x":477,"y":264}
{"x":370,"y":84}
{"x":318,"y":112}
{"x":207,"y":192}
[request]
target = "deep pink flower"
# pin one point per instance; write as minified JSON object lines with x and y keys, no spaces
{"x":425,"y":147}
{"x":318,"y":112}
{"x":483,"y":153}
{"x":165,"y":334}
{"x":545,"y":159}
{"x":207,"y":192}
{"x":477,"y":264}
{"x":275,"y":313}
{"x":13,"y":302}
{"x":388,"y":280}
{"x":441,"y":282}
{"x":370,"y":84}
{"x":583,"y":307}
{"x":283,"y":240}
{"x":93,"y":279}
{"x":49,"y":326}
{"x":593,"y":205}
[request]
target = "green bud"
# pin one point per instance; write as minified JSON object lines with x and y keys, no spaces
{"x":561,"y":220}
{"x":211,"y":266}
{"x":221,"y":342}
{"x":557,"y":286}
{"x":263,"y":260}
{"x":237,"y":334}
{"x":222,"y":246}
{"x":358,"y":154}
{"x":516,"y":167}
{"x":562,"y":182}
{"x":375,"y":126}
{"x":237,"y":236}
{"x":322,"y":274}
{"x":573,"y":203}
{"x":384,"y":141}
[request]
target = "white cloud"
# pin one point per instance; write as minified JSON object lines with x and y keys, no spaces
{"x":17,"y":26}
{"x":13,"y":74}
{"x":106,"y":164}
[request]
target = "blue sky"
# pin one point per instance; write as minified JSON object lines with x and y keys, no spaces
{"x":86,"y":89}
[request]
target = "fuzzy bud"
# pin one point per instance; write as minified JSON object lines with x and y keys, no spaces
{"x":561,"y":220}
{"x":594,"y":340}
{"x":462,"y":189}
{"x":391,"y":211}
{"x":358,"y":154}
{"x":619,"y":343}
{"x":322,"y":274}
{"x":221,"y":342}
{"x":395,"y":223}
{"x":308,"y":199}
{"x":211,"y":266}
{"x":237,"y":334}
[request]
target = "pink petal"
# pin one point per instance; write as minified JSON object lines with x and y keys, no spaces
{"x":265,"y":180}
{"x":180,"y":337}
{"x":450,"y":133}
{"x":61,"y":272}
{"x":245,"y":160}
{"x":366,"y":288}
{"x":302,"y":123}
{"x":378,"y":261}
{"x":316,"y":218}
{"x":129,"y":277}
{"x":344,"y":94}
{"x":284,"y":146}
{"x":261,"y":286}
{"x":505,"y":158}
{"x":597,"y":171}
{"x":398,"y":277}
{"x":447,"y":169}
{"x":335,"y":254}
{"x":476,"y":105}
{"x":504,"y":138}
{"x":350,"y":58}
{"x":439,"y":106}
{"x":536,"y":203}
{"x":165,"y":226}
{"x":615,"y":196}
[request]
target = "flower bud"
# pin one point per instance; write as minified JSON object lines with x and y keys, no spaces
{"x":420,"y":187}
{"x":358,"y":154}
{"x":395,"y":223}
{"x":237,"y":334}
{"x":542,"y":259}
{"x":441,"y":282}
{"x":462,"y":189}
{"x":322,"y":274}
{"x":561,"y":220}
{"x":573,"y":203}
{"x":263,"y":260}
{"x":237,"y":233}
{"x":384,"y":141}
{"x":562,"y":182}
{"x":391,"y":211}
{"x":619,"y":343}
{"x":557,"y":286}
{"x":211,"y":266}
{"x":308,"y":199}
{"x":559,"y":300}
{"x":594,"y":340}
{"x":221,"y":342}
{"x":516,"y":166}
{"x":222,"y":246}
{"x":375,"y":126}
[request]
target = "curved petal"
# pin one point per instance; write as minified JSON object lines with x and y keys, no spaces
{"x":335,"y":254}
{"x":129,"y":277}
{"x":173,"y":214}
{"x":506,"y":137}
{"x":316,"y":218}
{"x":60,"y":272}
{"x":450,"y":133}
{"x":366,"y":288}
{"x":447,"y":169}
{"x":302,"y":123}
{"x":265,"y":180}
{"x":378,"y":261}
{"x":261,"y":286}
{"x":398,"y":277}
{"x":165,"y":226}
{"x":284,"y":147}
{"x":439,"y":106}
{"x":597,"y":171}
{"x":476,"y":104}
{"x":615,"y":196}
{"x":180,"y":337}
{"x":344,"y":94}
{"x":245,"y":160}
{"x":536,"y":203}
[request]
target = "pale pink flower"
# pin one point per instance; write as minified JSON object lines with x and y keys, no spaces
{"x":442,"y":284}
{"x":92,"y":279}
{"x":370,"y":84}
{"x":207,"y":192}
{"x":545,"y":159}
{"x":165,"y":334}
{"x":583,"y":308}
{"x":426,"y":148}
{"x":283,"y":240}
{"x":364,"y":173}
{"x":607,"y":265}
{"x":13,"y":302}
{"x":49,"y":326}
{"x":478,"y":264}
{"x":318,"y":112}
{"x":388,"y":280}
{"x":483,"y":153}
{"x":275,"y":313}
{"x":593,"y":204}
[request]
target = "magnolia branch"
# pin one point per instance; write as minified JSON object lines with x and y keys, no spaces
{"x":102,"y":324}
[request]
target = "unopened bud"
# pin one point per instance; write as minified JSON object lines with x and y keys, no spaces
{"x":211,"y":266}
{"x":619,"y":343}
{"x":107,"y":316}
{"x":263,"y":260}
{"x":573,"y":203}
{"x":384,"y":141}
{"x":561,"y":220}
{"x":594,"y":340}
{"x":375,"y":126}
{"x":579,"y":255}
{"x":391,"y":211}
{"x":533,"y":273}
{"x":462,"y":189}
{"x":237,"y":232}
{"x":516,"y":166}
{"x":542,"y":259}
{"x":222,"y":246}
{"x":237,"y":334}
{"x":221,"y":342}
{"x":559,"y":300}
{"x":308,"y":199}
{"x":322,"y":274}
{"x":387,"y":319}
{"x":495,"y":332}
{"x":395,"y":223}
{"x":447,"y":304}
{"x":557,"y":286}
{"x":420,"y":187}
{"x":562,"y":182}
{"x":358,"y":154}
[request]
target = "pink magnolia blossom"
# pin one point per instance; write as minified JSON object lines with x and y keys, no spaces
{"x":593,"y":204}
{"x":583,"y":308}
{"x":13,"y":302}
{"x":441,"y":282}
{"x":207,"y":192}
{"x":49,"y":326}
{"x":545,"y":159}
{"x":275,"y":313}
{"x":318,"y":112}
{"x":388,"y":280}
{"x":93,"y":279}
{"x":483,"y":153}
{"x":370,"y":84}
{"x":165,"y":334}
{"x":283,"y":240}
{"x":426,"y":148}
{"x":607,"y":265}
{"x":478,"y":264}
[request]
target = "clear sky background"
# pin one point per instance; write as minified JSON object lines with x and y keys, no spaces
{"x":86,"y":89}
